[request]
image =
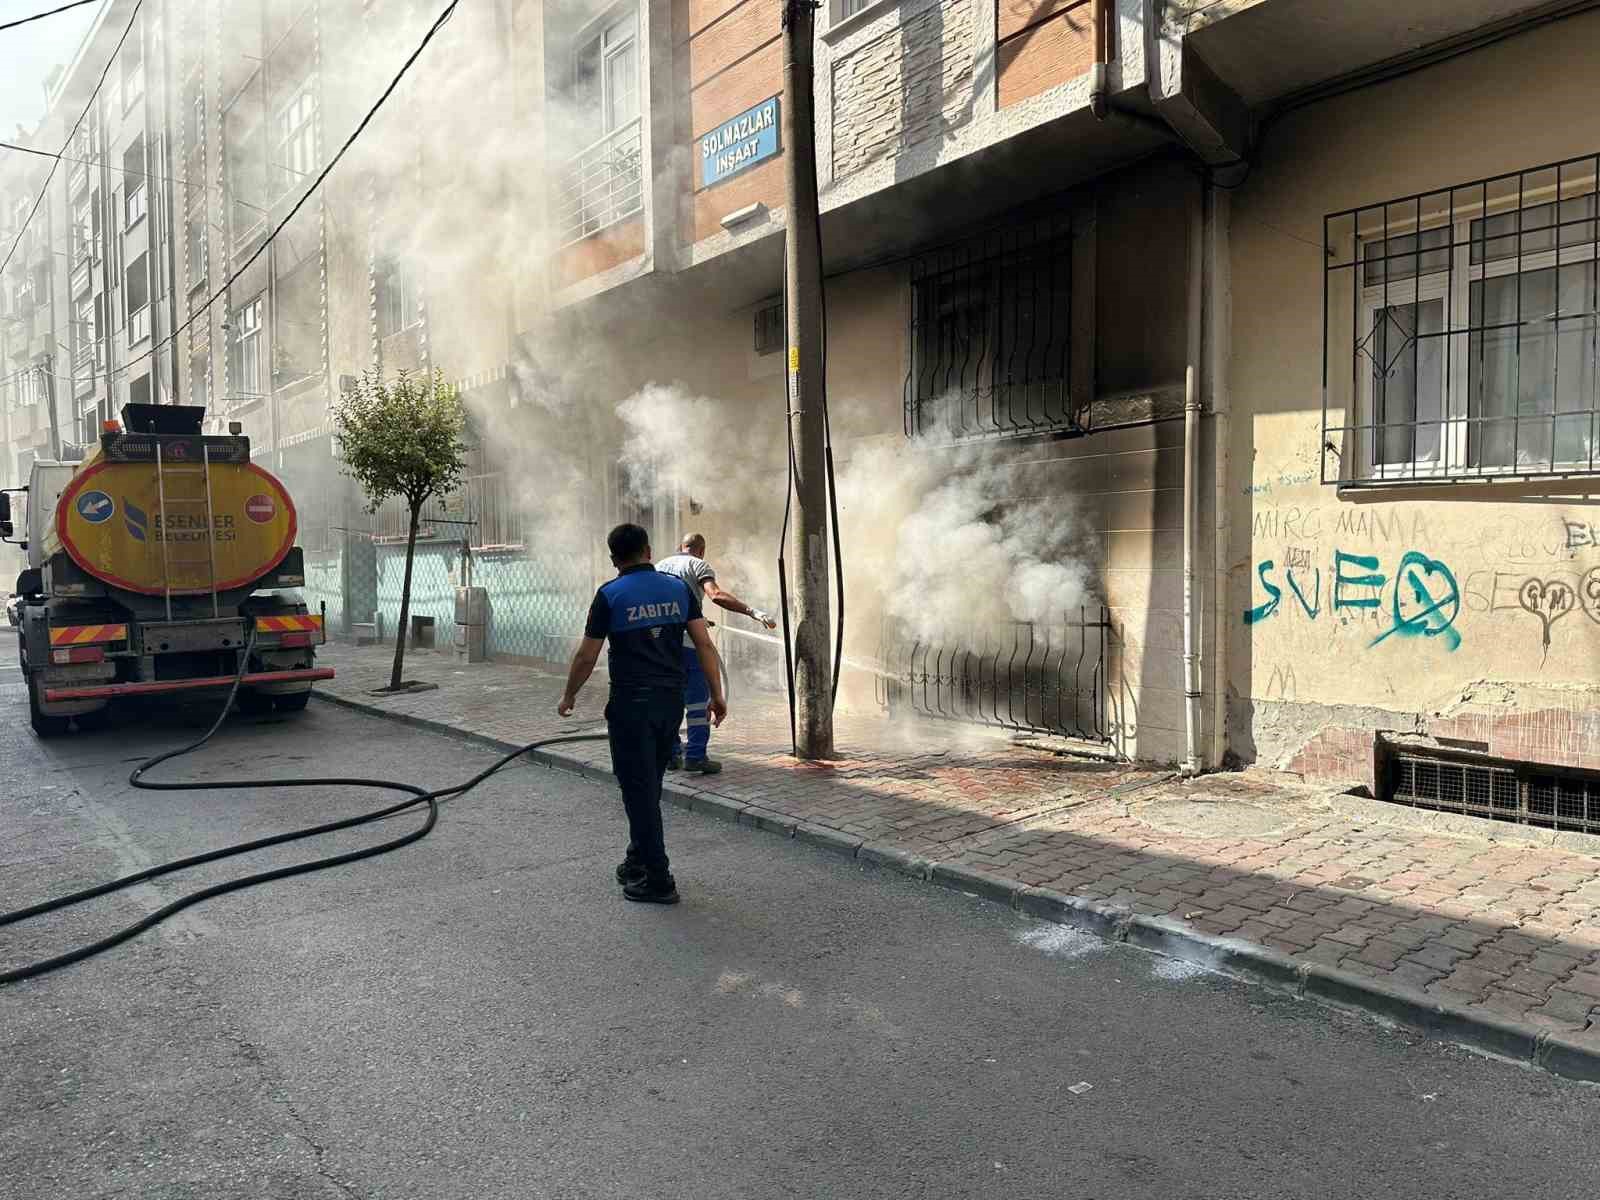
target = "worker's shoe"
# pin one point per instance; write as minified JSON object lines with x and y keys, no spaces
{"x":702,"y":766}
{"x":629,"y":870}
{"x":652,"y":889}
{"x":674,"y":763}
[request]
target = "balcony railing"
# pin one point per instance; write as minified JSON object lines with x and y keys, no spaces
{"x":138,"y":326}
{"x":601,"y":186}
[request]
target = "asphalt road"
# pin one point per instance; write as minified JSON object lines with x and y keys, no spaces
{"x":481,"y":1015}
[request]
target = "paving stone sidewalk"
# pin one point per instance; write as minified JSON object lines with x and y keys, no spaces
{"x":1506,"y":931}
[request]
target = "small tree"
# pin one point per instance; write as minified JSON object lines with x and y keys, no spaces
{"x":402,"y":438}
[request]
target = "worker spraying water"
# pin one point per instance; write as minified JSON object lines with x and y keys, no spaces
{"x":690,"y":565}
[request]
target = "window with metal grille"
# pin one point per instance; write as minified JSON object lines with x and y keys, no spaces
{"x":1523,"y":793}
{"x":769,"y":329}
{"x":991,"y":336}
{"x":1461,"y":331}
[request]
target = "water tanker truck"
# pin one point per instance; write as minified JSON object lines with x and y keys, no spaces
{"x":152,"y":565}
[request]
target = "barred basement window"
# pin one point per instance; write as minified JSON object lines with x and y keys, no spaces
{"x":1461,"y":332}
{"x":1498,"y":789}
{"x":991,"y":326}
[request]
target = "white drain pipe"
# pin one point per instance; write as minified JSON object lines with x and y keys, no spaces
{"x":1191,"y":484}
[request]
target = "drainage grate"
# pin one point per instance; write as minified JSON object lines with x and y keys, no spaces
{"x":1524,"y":793}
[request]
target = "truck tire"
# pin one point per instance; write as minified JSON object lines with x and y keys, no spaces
{"x":293,"y":702}
{"x":253,"y":703}
{"x":43,"y":724}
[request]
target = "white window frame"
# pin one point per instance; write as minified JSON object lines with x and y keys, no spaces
{"x":1455,"y":425}
{"x":139,"y":318}
{"x":295,"y":127}
{"x":596,"y":37}
{"x":388,"y":270}
{"x":246,"y":337}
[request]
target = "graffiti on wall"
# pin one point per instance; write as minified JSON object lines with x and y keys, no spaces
{"x":1417,"y":597}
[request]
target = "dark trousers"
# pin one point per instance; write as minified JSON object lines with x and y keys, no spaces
{"x":642,"y":724}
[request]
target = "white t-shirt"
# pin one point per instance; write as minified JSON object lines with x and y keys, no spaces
{"x":695,"y":572}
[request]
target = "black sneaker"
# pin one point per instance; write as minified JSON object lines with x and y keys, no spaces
{"x":651,"y":889}
{"x":674,"y":763}
{"x":629,"y":870}
{"x":702,"y":766}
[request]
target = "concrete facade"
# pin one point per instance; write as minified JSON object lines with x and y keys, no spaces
{"x":1496,"y":665}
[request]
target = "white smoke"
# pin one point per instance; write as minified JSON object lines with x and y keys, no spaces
{"x":957,"y":553}
{"x":934,"y":538}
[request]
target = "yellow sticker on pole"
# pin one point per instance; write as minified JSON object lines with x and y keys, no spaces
{"x":794,"y":358}
{"x":113,"y":523}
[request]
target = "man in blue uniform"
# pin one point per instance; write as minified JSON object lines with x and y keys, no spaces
{"x":644,"y":615}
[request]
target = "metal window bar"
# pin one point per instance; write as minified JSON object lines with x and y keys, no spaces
{"x":990,"y":336}
{"x":1454,"y":377}
{"x":1027,"y":677}
{"x":601,"y":185}
{"x":1494,"y":789}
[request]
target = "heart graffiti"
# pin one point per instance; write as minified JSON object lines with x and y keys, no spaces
{"x":1589,"y":594}
{"x":1549,"y":600}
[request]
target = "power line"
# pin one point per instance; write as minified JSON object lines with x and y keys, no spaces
{"x":110,"y":58}
{"x":100,"y":162}
{"x":43,"y":15}
{"x":372,"y":112}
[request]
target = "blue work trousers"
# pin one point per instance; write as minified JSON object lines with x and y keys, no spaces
{"x":696,"y":700}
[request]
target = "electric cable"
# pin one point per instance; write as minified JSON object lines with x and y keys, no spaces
{"x":827,"y":462}
{"x":417,"y":796}
{"x":42,"y":15}
{"x":72,"y":133}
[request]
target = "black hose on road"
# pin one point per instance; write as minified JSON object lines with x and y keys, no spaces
{"x":416,"y":796}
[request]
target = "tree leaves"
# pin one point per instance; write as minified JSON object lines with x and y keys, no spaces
{"x":402,"y":438}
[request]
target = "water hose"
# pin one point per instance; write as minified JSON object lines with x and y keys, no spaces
{"x":416,"y":796}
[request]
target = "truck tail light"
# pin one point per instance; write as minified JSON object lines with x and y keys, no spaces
{"x":293,"y":640}
{"x":78,"y":654}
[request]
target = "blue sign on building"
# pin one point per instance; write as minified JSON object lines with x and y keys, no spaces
{"x":742,"y":142}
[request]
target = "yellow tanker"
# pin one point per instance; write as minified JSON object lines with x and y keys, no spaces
{"x":154,"y":565}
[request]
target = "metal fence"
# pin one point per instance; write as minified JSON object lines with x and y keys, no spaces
{"x":1036,"y":677}
{"x":601,"y":185}
{"x":483,"y":510}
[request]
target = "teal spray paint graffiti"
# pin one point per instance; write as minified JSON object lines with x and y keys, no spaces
{"x":1424,"y":597}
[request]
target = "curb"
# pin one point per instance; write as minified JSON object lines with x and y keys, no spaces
{"x":1570,"y":1055}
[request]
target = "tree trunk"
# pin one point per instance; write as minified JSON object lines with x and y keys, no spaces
{"x":405,"y":599}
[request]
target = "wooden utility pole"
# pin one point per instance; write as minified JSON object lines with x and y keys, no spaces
{"x":803,"y":311}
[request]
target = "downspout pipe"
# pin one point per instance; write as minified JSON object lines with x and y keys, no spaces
{"x":1191,"y":483}
{"x":1100,"y":70}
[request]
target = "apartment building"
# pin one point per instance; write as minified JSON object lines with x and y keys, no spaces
{"x":1274,"y":318}
{"x":1345,"y":230}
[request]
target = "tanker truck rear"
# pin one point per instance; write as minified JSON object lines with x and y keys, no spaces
{"x":152,"y":566}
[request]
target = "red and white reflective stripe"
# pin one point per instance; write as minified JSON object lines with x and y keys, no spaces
{"x":82,"y":635}
{"x":106,"y":691}
{"x":289,"y":624}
